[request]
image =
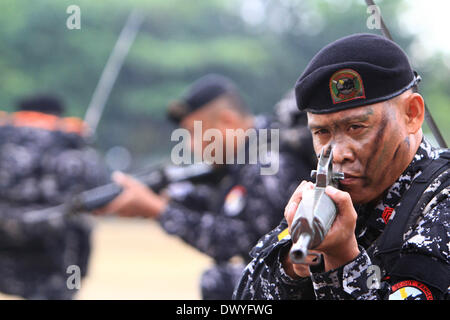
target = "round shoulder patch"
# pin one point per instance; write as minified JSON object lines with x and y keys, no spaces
{"x":235,"y":201}
{"x":410,"y":290}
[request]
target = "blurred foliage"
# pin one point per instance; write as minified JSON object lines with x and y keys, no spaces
{"x":263,"y":45}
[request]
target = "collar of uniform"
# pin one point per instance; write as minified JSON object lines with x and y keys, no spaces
{"x":370,"y":217}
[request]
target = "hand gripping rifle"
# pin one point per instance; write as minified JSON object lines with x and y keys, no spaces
{"x":316,"y":212}
{"x":100,"y":196}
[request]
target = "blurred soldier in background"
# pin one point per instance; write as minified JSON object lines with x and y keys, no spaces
{"x":44,"y":159}
{"x":226,"y":217}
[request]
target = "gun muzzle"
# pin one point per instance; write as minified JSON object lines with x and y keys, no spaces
{"x":299,"y":249}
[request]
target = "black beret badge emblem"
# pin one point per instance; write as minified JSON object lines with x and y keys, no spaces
{"x":346,"y":85}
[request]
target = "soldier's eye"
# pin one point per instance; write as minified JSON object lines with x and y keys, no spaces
{"x":355,"y":127}
{"x":321,"y":132}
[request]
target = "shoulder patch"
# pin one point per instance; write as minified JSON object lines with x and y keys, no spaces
{"x":410,"y":290}
{"x":387,"y":214}
{"x":235,"y":201}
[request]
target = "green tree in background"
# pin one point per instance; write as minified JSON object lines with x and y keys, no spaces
{"x":263,"y":45}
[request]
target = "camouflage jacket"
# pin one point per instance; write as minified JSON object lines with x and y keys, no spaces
{"x":41,"y":168}
{"x":424,"y":249}
{"x":231,"y":215}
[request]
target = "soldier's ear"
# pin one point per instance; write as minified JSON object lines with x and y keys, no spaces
{"x":414,"y":107}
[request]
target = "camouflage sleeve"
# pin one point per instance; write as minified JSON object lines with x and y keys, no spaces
{"x":426,"y":247}
{"x":351,"y":281}
{"x":62,"y":175}
{"x":81,"y":169}
{"x":223,"y":236}
{"x":194,"y":196}
{"x":69,"y":172}
{"x":220,"y":237}
{"x":96,"y":172}
{"x":264,"y":277}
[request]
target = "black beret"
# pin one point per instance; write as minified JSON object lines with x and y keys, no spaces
{"x":200,"y":93}
{"x":354,"y":71}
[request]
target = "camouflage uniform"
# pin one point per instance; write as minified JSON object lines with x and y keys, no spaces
{"x":41,"y":168}
{"x":421,"y":271}
{"x":239,"y":208}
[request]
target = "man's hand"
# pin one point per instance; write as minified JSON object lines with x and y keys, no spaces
{"x":292,"y":269}
{"x":339,"y":246}
{"x":136,"y":199}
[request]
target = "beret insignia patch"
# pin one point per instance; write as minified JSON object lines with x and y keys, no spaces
{"x":346,"y":85}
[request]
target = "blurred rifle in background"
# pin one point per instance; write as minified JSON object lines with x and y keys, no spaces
{"x":156,"y":179}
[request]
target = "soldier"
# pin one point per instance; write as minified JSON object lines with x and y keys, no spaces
{"x":44,"y":159}
{"x":391,"y":234}
{"x":225,"y":217}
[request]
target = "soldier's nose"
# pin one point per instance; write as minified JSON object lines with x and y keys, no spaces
{"x":342,"y":153}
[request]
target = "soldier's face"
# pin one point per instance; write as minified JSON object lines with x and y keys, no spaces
{"x":219,"y":117}
{"x":370,"y":144}
{"x":197,"y":123}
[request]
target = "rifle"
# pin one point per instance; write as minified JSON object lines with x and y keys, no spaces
{"x":428,"y":117}
{"x":316,"y":212}
{"x":156,"y":179}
